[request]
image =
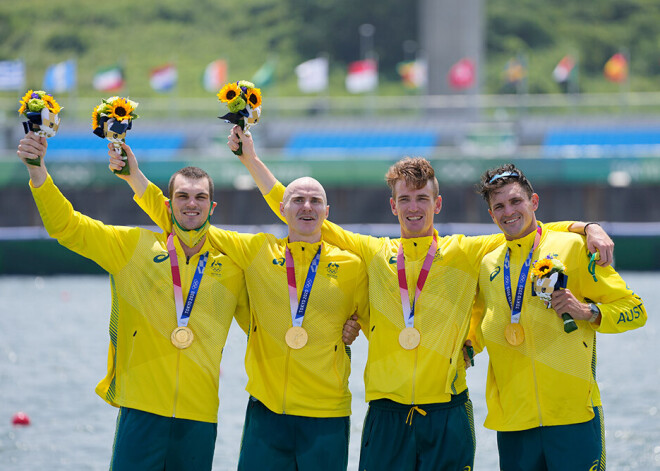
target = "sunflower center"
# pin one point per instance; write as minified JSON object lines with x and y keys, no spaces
{"x":253,"y":99}
{"x":120,"y":111}
{"x":231,"y":94}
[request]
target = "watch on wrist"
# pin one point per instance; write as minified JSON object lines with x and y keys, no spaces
{"x":595,"y":312}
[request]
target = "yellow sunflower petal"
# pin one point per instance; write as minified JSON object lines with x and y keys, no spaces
{"x":95,"y":119}
{"x":254,"y":97}
{"x":229,"y":92}
{"x":24,"y":101}
{"x":542,"y":267}
{"x":121,"y":110}
{"x":52,"y":105}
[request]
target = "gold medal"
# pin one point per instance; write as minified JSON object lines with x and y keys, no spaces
{"x":182,"y":337}
{"x":409,"y":338}
{"x":514,"y":334}
{"x":296,"y":337}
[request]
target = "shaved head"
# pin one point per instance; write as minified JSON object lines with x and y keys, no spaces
{"x":308,"y":183}
{"x":305,"y":207}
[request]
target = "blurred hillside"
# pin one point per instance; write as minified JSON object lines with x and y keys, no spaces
{"x":596,"y":149}
{"x":591,"y":146}
{"x":144,"y":35}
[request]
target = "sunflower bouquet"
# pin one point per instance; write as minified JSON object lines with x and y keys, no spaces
{"x":548,"y":274}
{"x":243,"y":101}
{"x":111,"y":120}
{"x":41,"y":111}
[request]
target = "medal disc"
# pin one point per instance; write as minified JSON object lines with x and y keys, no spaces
{"x":409,"y":338}
{"x":514,"y":334}
{"x":182,"y":337}
{"x":296,"y":337}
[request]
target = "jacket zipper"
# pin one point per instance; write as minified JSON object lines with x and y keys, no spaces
{"x":176,"y":383}
{"x":178,"y":361}
{"x":288,"y":349}
{"x":413,"y":376}
{"x":536,"y":390}
{"x":286,"y":379}
{"x":536,"y":384}
{"x":412,"y":401}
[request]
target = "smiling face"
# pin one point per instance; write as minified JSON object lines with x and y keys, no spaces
{"x":415,"y":208}
{"x":513,"y":210}
{"x":190,"y":201}
{"x":304,"y":207}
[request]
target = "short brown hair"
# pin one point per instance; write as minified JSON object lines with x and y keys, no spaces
{"x":496,"y":178}
{"x":193,"y":173}
{"x":415,"y":171}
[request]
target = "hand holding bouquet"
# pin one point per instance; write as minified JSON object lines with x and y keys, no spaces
{"x":111,"y":119}
{"x":243,"y":101}
{"x":41,"y":110}
{"x":548,"y":274}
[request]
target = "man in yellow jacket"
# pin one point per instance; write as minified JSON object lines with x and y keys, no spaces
{"x":541,"y":392}
{"x":302,"y":291}
{"x":421,"y":289}
{"x":164,"y":354}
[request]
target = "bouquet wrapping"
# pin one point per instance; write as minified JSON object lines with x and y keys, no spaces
{"x":42,"y":113}
{"x":548,"y":274}
{"x":111,"y":120}
{"x":243,"y":101}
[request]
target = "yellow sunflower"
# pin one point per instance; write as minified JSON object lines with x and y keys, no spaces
{"x":95,"y":119}
{"x":542,"y":267}
{"x":51,"y":104}
{"x":229,"y":92}
{"x":120,"y":110}
{"x":254,"y":97}
{"x":24,"y":102}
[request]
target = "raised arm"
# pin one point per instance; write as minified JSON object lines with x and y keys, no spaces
{"x":109,"y":246}
{"x":33,"y":147}
{"x":261,"y":175}
{"x":147,"y":195}
{"x":152,"y":201}
{"x":273,"y":191}
{"x":136,"y":179}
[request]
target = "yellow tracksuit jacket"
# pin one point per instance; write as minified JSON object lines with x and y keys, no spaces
{"x":550,"y":378}
{"x":435,"y":370}
{"x":145,"y":371}
{"x":311,"y":381}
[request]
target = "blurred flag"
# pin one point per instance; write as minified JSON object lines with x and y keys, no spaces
{"x":313,"y":75}
{"x":265,"y":76}
{"x":564,"y":69}
{"x":12,"y":75}
{"x":60,"y":77}
{"x":515,"y":71}
{"x":616,"y":69}
{"x":362,"y":76}
{"x":215,"y":75}
{"x":413,"y":73}
{"x":108,"y":79}
{"x":462,"y":74}
{"x":163,"y":78}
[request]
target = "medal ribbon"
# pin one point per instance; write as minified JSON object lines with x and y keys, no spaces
{"x":298,"y":309}
{"x":183,"y":312}
{"x":409,"y":311}
{"x":516,"y":307}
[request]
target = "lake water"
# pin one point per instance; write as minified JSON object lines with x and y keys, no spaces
{"x":53,"y":347}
